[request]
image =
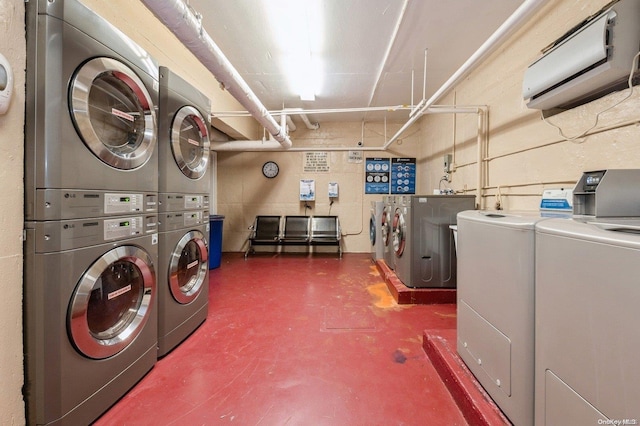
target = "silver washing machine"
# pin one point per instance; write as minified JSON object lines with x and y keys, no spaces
{"x":90,"y":314}
{"x":496,"y":282}
{"x":423,"y":244}
{"x":587,"y":335}
{"x":91,"y":107}
{"x":387,"y":230}
{"x":401,"y":237}
{"x":183,"y":276}
{"x":183,"y":136}
{"x":375,"y":230}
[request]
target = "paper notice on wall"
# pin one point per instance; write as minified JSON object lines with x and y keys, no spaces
{"x":316,"y":162}
{"x":355,"y":157}
{"x":307,"y":190}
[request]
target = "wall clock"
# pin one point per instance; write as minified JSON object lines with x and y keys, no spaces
{"x":270,"y":169}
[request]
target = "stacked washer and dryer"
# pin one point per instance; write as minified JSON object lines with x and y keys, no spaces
{"x":91,"y":250}
{"x":183,"y":290}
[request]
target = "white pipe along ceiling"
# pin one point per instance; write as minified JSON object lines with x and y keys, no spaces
{"x":528,"y":8}
{"x":178,"y":17}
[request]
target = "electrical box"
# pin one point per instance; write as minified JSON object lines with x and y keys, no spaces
{"x":333,"y":189}
{"x":448,"y":158}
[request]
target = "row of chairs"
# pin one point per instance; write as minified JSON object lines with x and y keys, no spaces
{"x":297,"y":230}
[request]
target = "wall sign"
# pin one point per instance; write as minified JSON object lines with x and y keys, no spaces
{"x":316,"y":162}
{"x":355,"y":157}
{"x":307,"y":190}
{"x":377,"y":173}
{"x":403,"y":176}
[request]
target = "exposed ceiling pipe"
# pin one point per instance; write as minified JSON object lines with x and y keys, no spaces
{"x":179,"y":18}
{"x":291,"y":125}
{"x":304,"y":112}
{"x":528,"y":8}
{"x":245,"y":146}
{"x":272,"y":145}
{"x":387,"y":53}
{"x":308,"y":123}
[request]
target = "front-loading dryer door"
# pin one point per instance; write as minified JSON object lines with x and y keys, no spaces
{"x":386,"y":227}
{"x":112,"y":302}
{"x":113,"y":113}
{"x":399,"y":233}
{"x":188,"y":267}
{"x":190,"y":142}
{"x":372,"y":229}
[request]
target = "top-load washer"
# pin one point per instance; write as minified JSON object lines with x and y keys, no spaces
{"x":91,"y":128}
{"x":496,"y":282}
{"x":424,"y":249}
{"x":375,"y":230}
{"x":587,"y":336}
{"x":387,"y":230}
{"x":183,"y":138}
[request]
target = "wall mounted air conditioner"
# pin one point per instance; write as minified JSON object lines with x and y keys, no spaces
{"x":592,"y":59}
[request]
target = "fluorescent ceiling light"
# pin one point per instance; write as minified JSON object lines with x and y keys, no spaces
{"x":296,"y":28}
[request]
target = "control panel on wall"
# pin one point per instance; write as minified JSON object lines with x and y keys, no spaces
{"x":333,"y":189}
{"x":6,"y":84}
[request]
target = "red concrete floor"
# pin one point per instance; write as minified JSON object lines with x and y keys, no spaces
{"x":298,"y":340}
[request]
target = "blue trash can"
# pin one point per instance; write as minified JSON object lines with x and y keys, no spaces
{"x":215,"y":240}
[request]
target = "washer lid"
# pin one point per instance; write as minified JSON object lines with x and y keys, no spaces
{"x":190,"y":142}
{"x":111,"y":303}
{"x":623,"y":232}
{"x":113,"y":113}
{"x":505,"y":218}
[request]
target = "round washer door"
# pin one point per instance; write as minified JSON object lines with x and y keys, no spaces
{"x":112,"y":302}
{"x":190,"y":142}
{"x":113,"y":113}
{"x":188,"y":267}
{"x":399,"y":233}
{"x":386,"y":227}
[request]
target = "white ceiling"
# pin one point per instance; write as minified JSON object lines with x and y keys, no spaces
{"x":358,"y":72}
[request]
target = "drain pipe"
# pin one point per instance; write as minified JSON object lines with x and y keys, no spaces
{"x":308,"y":123}
{"x":528,"y":8}
{"x":179,"y":18}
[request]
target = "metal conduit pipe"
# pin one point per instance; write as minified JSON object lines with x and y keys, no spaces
{"x":528,"y":8}
{"x":178,"y":17}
